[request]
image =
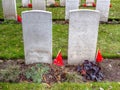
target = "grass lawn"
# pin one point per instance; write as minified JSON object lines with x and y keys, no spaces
{"x":11,"y":46}
{"x":62,"y":86}
{"x":1,"y":11}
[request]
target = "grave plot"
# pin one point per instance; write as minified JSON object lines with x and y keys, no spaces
{"x":43,"y":33}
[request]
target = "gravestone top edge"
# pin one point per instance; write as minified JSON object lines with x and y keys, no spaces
{"x":84,"y":10}
{"x":36,"y":11}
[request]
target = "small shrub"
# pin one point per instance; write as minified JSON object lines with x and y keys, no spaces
{"x":10,"y":73}
{"x":36,"y":72}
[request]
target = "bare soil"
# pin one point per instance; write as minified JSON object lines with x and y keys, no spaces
{"x":109,"y":67}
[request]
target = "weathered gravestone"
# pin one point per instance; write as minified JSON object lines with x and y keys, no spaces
{"x":25,"y":3}
{"x":9,"y":9}
{"x":50,"y":2}
{"x":89,"y":2}
{"x":103,"y":7}
{"x":83,"y":33}
{"x":37,"y":34}
{"x":70,"y":5}
{"x":62,"y":2}
{"x":38,"y":4}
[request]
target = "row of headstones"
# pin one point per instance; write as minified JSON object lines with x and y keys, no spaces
{"x":49,"y":2}
{"x":102,"y":6}
{"x":11,"y":13}
{"x":37,"y":35}
{"x":40,"y":2}
{"x":88,"y":2}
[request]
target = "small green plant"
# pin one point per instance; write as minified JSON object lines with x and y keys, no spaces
{"x":73,"y":77}
{"x":10,"y":73}
{"x":36,"y":72}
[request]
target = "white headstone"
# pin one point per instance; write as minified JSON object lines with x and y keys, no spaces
{"x":103,"y":7}
{"x":37,"y":34}
{"x":50,"y":2}
{"x":70,"y":5}
{"x":83,"y":33}
{"x":62,"y":2}
{"x":9,"y":9}
{"x":90,"y":2}
{"x":25,"y":3}
{"x":38,"y":4}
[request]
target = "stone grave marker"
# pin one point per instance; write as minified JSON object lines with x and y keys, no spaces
{"x":70,"y":5}
{"x":83,"y":33}
{"x":9,"y":9}
{"x":25,"y":3}
{"x":50,"y":2}
{"x":103,"y":6}
{"x":90,"y":2}
{"x":37,"y":35}
{"x":38,"y":4}
{"x":62,"y":2}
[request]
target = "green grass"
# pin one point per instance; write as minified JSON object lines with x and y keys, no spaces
{"x":1,"y":11}
{"x":62,"y":86}
{"x":109,"y":40}
{"x":21,"y":86}
{"x":60,"y":39}
{"x":57,"y":12}
{"x":11,"y":46}
{"x":115,"y":10}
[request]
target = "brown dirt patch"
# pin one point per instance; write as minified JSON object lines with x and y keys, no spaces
{"x":109,"y":67}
